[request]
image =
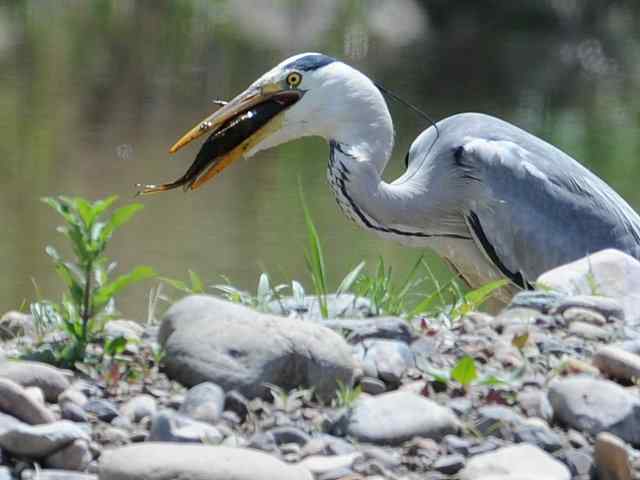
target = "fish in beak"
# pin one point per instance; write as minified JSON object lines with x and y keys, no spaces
{"x":234,"y":129}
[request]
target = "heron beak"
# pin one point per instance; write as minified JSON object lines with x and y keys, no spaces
{"x":234,"y":129}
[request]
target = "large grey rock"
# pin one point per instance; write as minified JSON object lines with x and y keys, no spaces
{"x":609,"y":273}
{"x":40,"y":440}
{"x":593,"y":405}
{"x":15,"y":401}
{"x":517,"y":462}
{"x":169,"y":461}
{"x":209,"y":339}
{"x":394,"y":417}
{"x":52,"y":381}
{"x":204,"y":402}
{"x":168,"y":426}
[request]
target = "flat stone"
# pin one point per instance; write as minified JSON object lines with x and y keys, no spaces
{"x":283,"y":435}
{"x":578,"y":460}
{"x":579,"y":314}
{"x":52,"y":381}
{"x":535,"y":431}
{"x":543,"y":301}
{"x":608,"y":273}
{"x":209,"y":339}
{"x":76,"y":457}
{"x":73,"y":395}
{"x":594,"y":405}
{"x":617,"y":363}
{"x":71,"y":411}
{"x":204,"y":402}
{"x":372,"y":385}
{"x":612,"y":458}
{"x":449,"y":464}
{"x":319,"y":464}
{"x":517,"y":462}
{"x":15,"y":401}
{"x":104,"y":410}
{"x":394,"y":417}
{"x":169,"y":461}
{"x":588,"y":331}
{"x":168,"y":426}
{"x":608,"y":308}
{"x":40,"y":440}
{"x":139,"y":407}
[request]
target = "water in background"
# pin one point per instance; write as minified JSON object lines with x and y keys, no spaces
{"x":92,"y":93}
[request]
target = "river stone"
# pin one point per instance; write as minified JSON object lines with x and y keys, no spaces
{"x":169,"y":461}
{"x":210,"y":339}
{"x":16,"y":324}
{"x":594,"y":405}
{"x":40,"y":440}
{"x":139,"y":407}
{"x":391,"y":328}
{"x":385,"y":359}
{"x":612,"y":458}
{"x":516,"y":462}
{"x":168,"y":426}
{"x":345,"y":305}
{"x":393,"y":417}
{"x":15,"y":401}
{"x":204,"y":402}
{"x":609,"y":273}
{"x":52,"y":381}
{"x":123,"y":328}
{"x":617,"y":363}
{"x":76,"y":457}
{"x":54,"y":474}
{"x":607,"y":307}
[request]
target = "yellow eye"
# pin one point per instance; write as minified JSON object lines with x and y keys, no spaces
{"x":294,"y":79}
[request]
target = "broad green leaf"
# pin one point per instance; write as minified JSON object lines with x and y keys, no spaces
{"x":197,"y":285}
{"x":119,"y":218}
{"x":85,"y":211}
{"x":100,"y":206}
{"x":62,"y":207}
{"x":519,"y":341}
{"x":115,"y":346}
{"x":103,"y":294}
{"x":350,"y":279}
{"x":464,"y":372}
{"x":478,"y":296}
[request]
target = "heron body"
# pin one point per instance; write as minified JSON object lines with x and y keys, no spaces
{"x":491,"y":199}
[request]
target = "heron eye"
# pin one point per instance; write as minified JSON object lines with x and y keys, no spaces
{"x":294,"y":79}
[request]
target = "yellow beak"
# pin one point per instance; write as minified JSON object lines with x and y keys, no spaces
{"x":235,"y":129}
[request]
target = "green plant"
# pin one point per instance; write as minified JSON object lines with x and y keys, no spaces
{"x":288,"y":401}
{"x":466,"y":374}
{"x":384,"y":296}
{"x":265,"y":293}
{"x":315,"y":259}
{"x":194,"y":286}
{"x":473,"y":299}
{"x":346,"y":395}
{"x":90,"y":298}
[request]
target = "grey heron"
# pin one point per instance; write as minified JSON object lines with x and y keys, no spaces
{"x":490,"y":198}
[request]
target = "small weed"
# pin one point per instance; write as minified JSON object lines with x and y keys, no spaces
{"x":90,"y":298}
{"x":465,"y":373}
{"x":346,"y":395}
{"x":194,"y":286}
{"x":315,"y":259}
{"x":289,"y":401}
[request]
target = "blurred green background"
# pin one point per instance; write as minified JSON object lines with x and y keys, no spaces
{"x":92,"y":93}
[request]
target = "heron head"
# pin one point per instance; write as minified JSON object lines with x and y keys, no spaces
{"x":304,"y":95}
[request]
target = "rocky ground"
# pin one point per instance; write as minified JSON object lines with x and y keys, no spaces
{"x":248,"y":395}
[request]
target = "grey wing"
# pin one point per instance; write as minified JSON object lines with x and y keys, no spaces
{"x":530,"y":207}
